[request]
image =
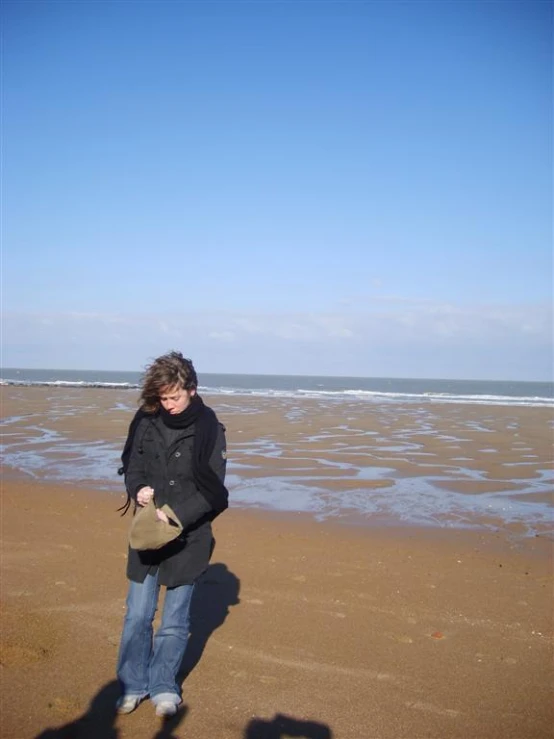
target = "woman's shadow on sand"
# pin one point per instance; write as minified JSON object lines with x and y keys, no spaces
{"x":99,"y":720}
{"x":215,"y":592}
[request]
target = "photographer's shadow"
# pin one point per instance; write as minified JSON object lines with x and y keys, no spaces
{"x":215,"y":592}
{"x":281,"y":726}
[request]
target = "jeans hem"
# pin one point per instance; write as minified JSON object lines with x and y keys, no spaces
{"x":165,"y":698}
{"x":130,"y":694}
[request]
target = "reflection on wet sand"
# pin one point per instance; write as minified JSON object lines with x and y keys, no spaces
{"x":435,"y":464}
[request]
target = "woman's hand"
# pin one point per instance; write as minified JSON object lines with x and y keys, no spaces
{"x":145,"y":495}
{"x":162,"y":516}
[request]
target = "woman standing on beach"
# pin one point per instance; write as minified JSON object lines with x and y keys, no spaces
{"x":174,"y":456}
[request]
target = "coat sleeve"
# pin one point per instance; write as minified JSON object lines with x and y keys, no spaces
{"x":218,"y":460}
{"x":194,"y":508}
{"x":135,"y":476}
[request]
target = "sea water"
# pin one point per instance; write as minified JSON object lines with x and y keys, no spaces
{"x":378,"y":389}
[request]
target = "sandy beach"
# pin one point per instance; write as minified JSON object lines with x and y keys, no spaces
{"x":304,"y":625}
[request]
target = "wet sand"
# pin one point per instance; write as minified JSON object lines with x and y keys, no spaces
{"x":444,"y":464}
{"x":301,"y":628}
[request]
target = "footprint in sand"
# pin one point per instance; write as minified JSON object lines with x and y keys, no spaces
{"x":63,"y":584}
{"x":335,"y":614}
{"x":299,"y":578}
{"x":430,"y":708}
{"x":19,"y":655}
{"x":401,"y":639}
{"x":266,"y":680}
{"x":64,"y":705}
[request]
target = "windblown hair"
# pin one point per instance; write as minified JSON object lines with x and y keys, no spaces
{"x":167,"y":371}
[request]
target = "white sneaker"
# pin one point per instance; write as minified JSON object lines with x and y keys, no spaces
{"x":127,"y":703}
{"x":166,"y":708}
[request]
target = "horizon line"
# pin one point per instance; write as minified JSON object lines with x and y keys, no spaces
{"x":267,"y":374}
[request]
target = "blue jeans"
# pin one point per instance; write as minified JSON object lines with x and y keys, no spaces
{"x":148,"y":664}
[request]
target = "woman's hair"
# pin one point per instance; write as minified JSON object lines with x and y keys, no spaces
{"x":167,"y":371}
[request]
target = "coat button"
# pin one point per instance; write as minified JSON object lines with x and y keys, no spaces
{"x":177,"y":454}
{"x":172,"y":482}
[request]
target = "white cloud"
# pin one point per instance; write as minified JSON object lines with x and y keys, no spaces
{"x":222,"y":335}
{"x":396,"y":338}
{"x":170,"y":329}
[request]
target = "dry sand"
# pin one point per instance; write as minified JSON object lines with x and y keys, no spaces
{"x":350,"y":633}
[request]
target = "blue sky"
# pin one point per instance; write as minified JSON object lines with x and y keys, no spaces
{"x":352,"y":188}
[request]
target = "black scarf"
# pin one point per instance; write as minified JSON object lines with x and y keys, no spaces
{"x":205,"y":436}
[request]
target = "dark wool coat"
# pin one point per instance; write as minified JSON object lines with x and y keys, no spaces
{"x":162,"y":459}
